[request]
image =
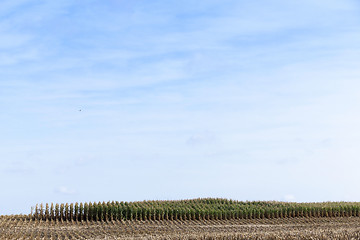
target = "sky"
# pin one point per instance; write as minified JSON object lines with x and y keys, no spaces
{"x":145,"y":100}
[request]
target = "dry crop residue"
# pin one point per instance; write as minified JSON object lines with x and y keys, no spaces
{"x":22,"y":227}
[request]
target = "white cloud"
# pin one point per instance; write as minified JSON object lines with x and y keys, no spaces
{"x":65,"y":190}
{"x":289,"y":198}
{"x":204,"y":138}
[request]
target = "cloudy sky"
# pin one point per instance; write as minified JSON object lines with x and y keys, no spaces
{"x":138,"y":100}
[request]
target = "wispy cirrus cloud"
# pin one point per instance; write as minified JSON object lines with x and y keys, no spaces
{"x":65,"y":190}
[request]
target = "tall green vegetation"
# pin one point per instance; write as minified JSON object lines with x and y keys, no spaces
{"x":193,"y":209}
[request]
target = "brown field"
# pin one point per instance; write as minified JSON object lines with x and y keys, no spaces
{"x":23,"y":227}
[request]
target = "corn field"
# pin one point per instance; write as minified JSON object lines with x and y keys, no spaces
{"x":193,"y":209}
{"x":25,"y":227}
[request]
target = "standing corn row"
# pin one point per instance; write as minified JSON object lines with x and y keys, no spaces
{"x":195,"y":209}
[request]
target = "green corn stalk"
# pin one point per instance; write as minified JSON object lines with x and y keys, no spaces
{"x":89,"y":212}
{"x":76,"y":211}
{"x":82,"y":212}
{"x":66,"y":211}
{"x":71,"y":211}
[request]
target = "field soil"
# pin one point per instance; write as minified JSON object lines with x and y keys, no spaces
{"x":22,"y":227}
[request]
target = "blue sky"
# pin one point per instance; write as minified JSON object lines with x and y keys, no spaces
{"x":249,"y":100}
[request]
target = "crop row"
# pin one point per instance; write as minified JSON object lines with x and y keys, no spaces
{"x":195,"y":209}
{"x":22,"y":227}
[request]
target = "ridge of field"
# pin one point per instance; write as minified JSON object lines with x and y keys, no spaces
{"x":192,"y":209}
{"x":25,"y":227}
